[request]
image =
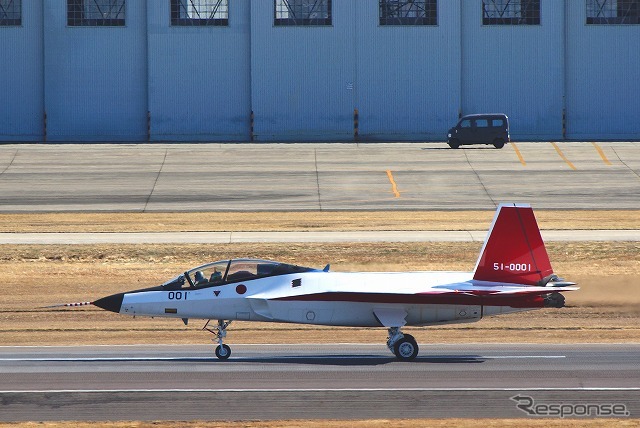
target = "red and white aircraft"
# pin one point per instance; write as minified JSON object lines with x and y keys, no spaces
{"x":512,"y":274}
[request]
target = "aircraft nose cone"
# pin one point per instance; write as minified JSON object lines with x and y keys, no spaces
{"x":110,"y":303}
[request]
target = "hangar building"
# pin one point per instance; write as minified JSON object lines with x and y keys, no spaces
{"x":316,"y":70}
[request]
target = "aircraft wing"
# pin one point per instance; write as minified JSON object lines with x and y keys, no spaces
{"x":516,"y":297}
{"x":503,"y":291}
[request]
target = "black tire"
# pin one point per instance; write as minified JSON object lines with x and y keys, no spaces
{"x":223,"y":352}
{"x":454,"y":144}
{"x":411,"y":338}
{"x":406,"y":349}
{"x":498,"y":143}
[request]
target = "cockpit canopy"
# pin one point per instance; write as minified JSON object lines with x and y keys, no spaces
{"x":230,"y":271}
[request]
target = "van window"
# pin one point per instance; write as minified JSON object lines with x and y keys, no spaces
{"x":465,"y":123}
{"x":497,"y":123}
{"x":482,"y":123}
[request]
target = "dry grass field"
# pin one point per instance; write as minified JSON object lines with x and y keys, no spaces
{"x":305,"y":221}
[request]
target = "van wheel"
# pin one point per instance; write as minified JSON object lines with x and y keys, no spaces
{"x":498,"y":143}
{"x":454,"y":144}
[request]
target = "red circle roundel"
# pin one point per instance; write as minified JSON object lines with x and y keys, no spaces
{"x":241,"y":289}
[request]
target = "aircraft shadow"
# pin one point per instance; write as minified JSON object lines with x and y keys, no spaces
{"x":357,"y":360}
{"x":321,"y":360}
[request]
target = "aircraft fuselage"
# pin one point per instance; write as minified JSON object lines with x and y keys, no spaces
{"x":330,"y":298}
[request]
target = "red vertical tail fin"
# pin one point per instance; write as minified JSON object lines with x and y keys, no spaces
{"x":513,"y":251}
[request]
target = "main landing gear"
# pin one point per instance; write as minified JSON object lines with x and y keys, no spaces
{"x":404,"y":346}
{"x":223,"y":351}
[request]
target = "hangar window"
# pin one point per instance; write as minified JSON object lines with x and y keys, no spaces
{"x":10,"y":12}
{"x":199,"y":12}
{"x":511,"y":12}
{"x":408,"y":12}
{"x":613,"y":12}
{"x":302,"y":12}
{"x":95,"y":13}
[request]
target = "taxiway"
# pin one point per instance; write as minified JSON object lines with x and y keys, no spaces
{"x":294,"y":177}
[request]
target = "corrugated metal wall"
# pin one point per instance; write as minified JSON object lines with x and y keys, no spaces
{"x":515,"y":69}
{"x":95,"y":77}
{"x":21,"y":77}
{"x":303,"y":78}
{"x":199,"y":77}
{"x":408,"y":77}
{"x":149,"y":80}
{"x":603,"y":78}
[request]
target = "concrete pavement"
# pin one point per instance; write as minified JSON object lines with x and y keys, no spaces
{"x":294,"y":177}
{"x":325,"y":236}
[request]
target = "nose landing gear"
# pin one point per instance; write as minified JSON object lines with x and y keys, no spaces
{"x":403,"y":346}
{"x":223,"y":351}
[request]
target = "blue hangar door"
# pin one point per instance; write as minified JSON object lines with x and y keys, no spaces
{"x":199,"y":70}
{"x":95,"y":70}
{"x":21,"y":85}
{"x":303,"y":70}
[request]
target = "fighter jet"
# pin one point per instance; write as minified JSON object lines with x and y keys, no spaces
{"x":512,"y":274}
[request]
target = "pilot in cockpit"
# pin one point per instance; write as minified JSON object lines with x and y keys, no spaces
{"x":215,"y":276}
{"x":199,"y":277}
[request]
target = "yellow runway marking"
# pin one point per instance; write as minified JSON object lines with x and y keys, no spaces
{"x":564,"y":158}
{"x":519,"y":154}
{"x":601,"y":153}
{"x":394,"y":186}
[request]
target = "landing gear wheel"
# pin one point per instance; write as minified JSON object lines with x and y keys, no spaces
{"x":220,"y":332}
{"x":406,"y":349}
{"x":223,"y":352}
{"x":411,"y":338}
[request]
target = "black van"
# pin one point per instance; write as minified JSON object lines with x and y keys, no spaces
{"x":490,"y":128}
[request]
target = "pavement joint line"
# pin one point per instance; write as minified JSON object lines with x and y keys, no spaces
{"x":155,"y":182}
{"x":625,"y":164}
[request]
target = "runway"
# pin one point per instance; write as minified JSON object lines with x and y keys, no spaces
{"x":298,"y":177}
{"x":344,"y":381}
